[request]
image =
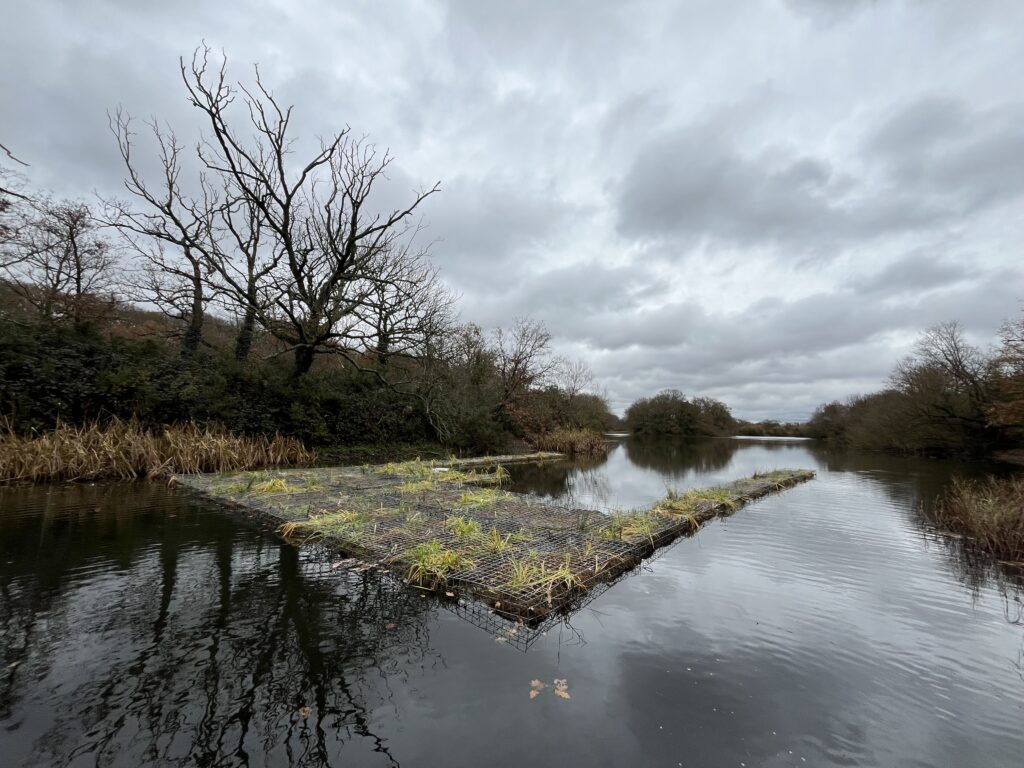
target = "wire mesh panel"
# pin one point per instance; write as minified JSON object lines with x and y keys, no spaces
{"x":455,"y":530}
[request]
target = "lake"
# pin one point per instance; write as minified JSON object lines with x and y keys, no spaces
{"x":829,"y":625}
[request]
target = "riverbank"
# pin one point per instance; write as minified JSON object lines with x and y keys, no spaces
{"x":127,"y":450}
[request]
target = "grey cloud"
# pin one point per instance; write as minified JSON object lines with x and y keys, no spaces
{"x":681,"y":204}
{"x":695,"y":183}
{"x":917,"y":271}
{"x":940,"y":148}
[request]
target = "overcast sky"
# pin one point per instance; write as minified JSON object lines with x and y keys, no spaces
{"x":762,"y":202}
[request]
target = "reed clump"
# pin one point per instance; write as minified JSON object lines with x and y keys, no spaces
{"x":127,"y":450}
{"x":429,"y":563}
{"x":572,"y":442}
{"x":990,"y":512}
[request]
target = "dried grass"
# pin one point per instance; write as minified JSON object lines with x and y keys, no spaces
{"x":127,"y":450}
{"x":572,"y":442}
{"x":990,"y":512}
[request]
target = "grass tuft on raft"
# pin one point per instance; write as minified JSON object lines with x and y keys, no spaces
{"x":126,"y":450}
{"x":990,"y":512}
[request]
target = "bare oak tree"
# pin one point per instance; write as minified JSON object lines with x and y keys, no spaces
{"x":62,"y":266}
{"x":406,"y":307}
{"x":522,"y":358}
{"x":171,"y":232}
{"x":13,"y":204}
{"x":327,"y":253}
{"x":946,"y":379}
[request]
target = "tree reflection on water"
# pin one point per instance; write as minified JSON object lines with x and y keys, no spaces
{"x":284,"y":656}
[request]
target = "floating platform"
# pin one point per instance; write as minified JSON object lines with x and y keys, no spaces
{"x":449,"y":526}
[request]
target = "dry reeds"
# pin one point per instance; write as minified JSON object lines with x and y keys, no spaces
{"x":990,"y":512}
{"x":127,"y":450}
{"x":572,"y":442}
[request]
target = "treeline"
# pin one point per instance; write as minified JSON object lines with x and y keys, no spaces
{"x":242,"y":285}
{"x":670,"y":412}
{"x":948,"y":397}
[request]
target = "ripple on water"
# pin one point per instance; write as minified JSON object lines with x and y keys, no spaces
{"x":823,"y":626}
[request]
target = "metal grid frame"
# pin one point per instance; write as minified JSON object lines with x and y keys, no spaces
{"x":555,"y":559}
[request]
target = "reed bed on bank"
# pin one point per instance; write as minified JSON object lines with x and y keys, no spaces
{"x":128,"y":450}
{"x":572,"y":442}
{"x":990,"y":512}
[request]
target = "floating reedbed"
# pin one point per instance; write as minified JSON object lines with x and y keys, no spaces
{"x":451,"y":527}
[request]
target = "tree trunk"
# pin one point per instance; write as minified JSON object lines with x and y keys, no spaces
{"x":303,"y":360}
{"x":243,"y":342}
{"x":194,"y":333}
{"x":383,"y":348}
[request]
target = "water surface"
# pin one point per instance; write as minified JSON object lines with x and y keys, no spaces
{"x":826,"y":626}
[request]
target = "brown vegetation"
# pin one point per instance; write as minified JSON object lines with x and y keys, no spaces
{"x":990,"y":512}
{"x":572,"y":442}
{"x":948,"y":397}
{"x":127,"y":450}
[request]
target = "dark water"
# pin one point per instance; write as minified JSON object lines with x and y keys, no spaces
{"x":828,"y":626}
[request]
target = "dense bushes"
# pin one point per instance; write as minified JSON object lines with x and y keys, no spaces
{"x":671,"y":413}
{"x":52,"y":373}
{"x":770,"y":428}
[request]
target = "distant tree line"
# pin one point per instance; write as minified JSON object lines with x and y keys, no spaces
{"x":238,"y":283}
{"x":947,"y":397}
{"x":670,"y":412}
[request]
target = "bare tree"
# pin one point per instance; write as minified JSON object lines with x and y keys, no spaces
{"x":7,"y":188}
{"x":329,"y":253}
{"x":1006,"y":411}
{"x":456,"y":379}
{"x":574,"y":377}
{"x":172,"y":233}
{"x":13,"y":202}
{"x":946,"y":380}
{"x":406,"y":307}
{"x":522,"y":359}
{"x":242,"y":264}
{"x":63,"y":267}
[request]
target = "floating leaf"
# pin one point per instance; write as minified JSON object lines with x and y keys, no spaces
{"x":534,"y":694}
{"x":538,"y":685}
{"x":390,"y":627}
{"x":305,"y":712}
{"x":562,"y":688}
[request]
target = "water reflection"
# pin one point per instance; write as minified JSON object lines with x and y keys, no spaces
{"x":174,"y":636}
{"x":675,"y":458}
{"x":832,"y":623}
